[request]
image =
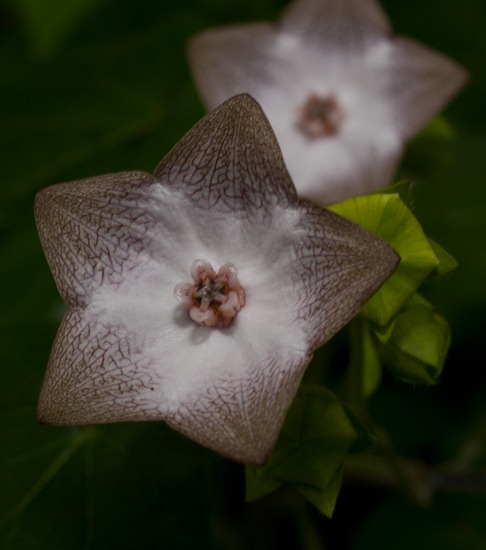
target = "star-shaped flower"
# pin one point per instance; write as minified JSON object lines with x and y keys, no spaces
{"x":342,"y":94}
{"x":218,"y":357}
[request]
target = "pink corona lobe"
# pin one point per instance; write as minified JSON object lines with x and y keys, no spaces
{"x":213,"y":299}
{"x":320,"y":116}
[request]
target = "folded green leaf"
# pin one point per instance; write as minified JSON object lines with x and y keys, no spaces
{"x":365,"y":439}
{"x":402,"y":188}
{"x":447,"y":262}
{"x":324,"y":501}
{"x":315,"y":439}
{"x":363,"y":374}
{"x":387,"y":216}
{"x":418,"y":345}
{"x":384,"y":332}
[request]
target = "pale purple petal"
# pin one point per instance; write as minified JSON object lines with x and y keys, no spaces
{"x":345,"y":25}
{"x":241,"y":417}
{"x":94,"y":230}
{"x":212,"y":55}
{"x":229,"y":162}
{"x":419,"y":82}
{"x":338,"y":267}
{"x":97,"y":373}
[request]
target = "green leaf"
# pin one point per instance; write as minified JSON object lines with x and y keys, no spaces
{"x":315,"y":440}
{"x":402,"y":188}
{"x":386,"y":216}
{"x":383,"y":333}
{"x":447,"y":262}
{"x":365,"y":439}
{"x":363,"y":374}
{"x":324,"y":501}
{"x":417,"y":347}
{"x":369,"y":360}
{"x":258,"y":484}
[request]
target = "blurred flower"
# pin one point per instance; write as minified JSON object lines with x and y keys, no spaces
{"x":219,"y":358}
{"x":342,"y":94}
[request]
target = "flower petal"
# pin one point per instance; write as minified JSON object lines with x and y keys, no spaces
{"x":94,"y":230}
{"x":229,"y":163}
{"x":97,"y":373}
{"x":231,"y":60}
{"x":345,"y":25}
{"x":241,"y":417}
{"x":420,"y":82}
{"x":338,"y":267}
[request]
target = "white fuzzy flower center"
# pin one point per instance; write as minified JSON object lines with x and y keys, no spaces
{"x":320,"y":116}
{"x":213,"y":299}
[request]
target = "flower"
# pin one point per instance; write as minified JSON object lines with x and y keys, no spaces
{"x":342,"y":94}
{"x":218,"y":358}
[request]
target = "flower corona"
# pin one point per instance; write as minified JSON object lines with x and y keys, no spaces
{"x":320,"y":116}
{"x":214,"y":299}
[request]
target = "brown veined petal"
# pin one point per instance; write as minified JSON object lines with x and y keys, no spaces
{"x":338,"y":266}
{"x":241,"y":417}
{"x":97,"y":373}
{"x":229,"y":163}
{"x":232,"y":60}
{"x":419,"y":83}
{"x":93,"y":230}
{"x":344,"y":25}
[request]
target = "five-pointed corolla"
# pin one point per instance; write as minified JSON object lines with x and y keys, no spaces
{"x":198,"y":294}
{"x":342,"y":94}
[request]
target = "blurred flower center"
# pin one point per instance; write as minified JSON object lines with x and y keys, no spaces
{"x":320,"y":116}
{"x":213,"y":299}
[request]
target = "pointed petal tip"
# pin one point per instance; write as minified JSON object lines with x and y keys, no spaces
{"x":393,"y":259}
{"x":386,"y":260}
{"x":229,"y":161}
{"x":462,"y":78}
{"x":47,"y":415}
{"x":249,"y":457}
{"x":255,"y":454}
{"x":41,"y":421}
{"x":237,"y":446}
{"x":38,"y":204}
{"x":257,"y":461}
{"x":44,"y":416}
{"x":244,"y":100}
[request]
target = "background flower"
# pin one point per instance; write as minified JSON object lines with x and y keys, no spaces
{"x":119,"y":244}
{"x":341,"y":92}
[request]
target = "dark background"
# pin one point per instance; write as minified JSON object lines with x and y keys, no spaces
{"x":95,"y":86}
